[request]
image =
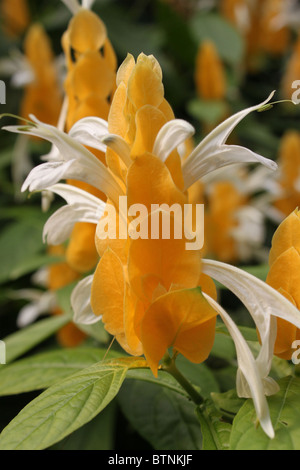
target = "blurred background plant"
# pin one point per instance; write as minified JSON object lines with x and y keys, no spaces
{"x":217,"y":57}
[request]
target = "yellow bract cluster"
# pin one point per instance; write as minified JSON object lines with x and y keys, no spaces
{"x":210,"y":76}
{"x":91,"y":63}
{"x":255,"y":19}
{"x":147,"y":290}
{"x":15,"y":16}
{"x":89,"y":86}
{"x":284,"y":276}
{"x":289,"y":166}
{"x":42,"y":96}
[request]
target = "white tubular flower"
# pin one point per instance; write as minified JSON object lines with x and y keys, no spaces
{"x":40,"y":303}
{"x":81,"y":207}
{"x":171,"y":136}
{"x":212,"y":152}
{"x":74,"y":161}
{"x":81,"y":303}
{"x":248,"y":367}
{"x":249,"y":233}
{"x":74,"y":5}
{"x":263,"y":303}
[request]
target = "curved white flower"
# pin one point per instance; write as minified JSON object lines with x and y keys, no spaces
{"x":248,"y":367}
{"x":81,"y":207}
{"x":74,"y":5}
{"x":212,"y":153}
{"x":74,"y":161}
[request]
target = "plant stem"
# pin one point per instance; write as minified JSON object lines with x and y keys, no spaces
{"x":168,"y":365}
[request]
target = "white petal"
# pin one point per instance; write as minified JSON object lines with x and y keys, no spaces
{"x":120,"y":146}
{"x":74,"y":195}
{"x":59,"y":226}
{"x":47,"y":199}
{"x":87,"y":4}
{"x":76,"y":162}
{"x":41,"y":306}
{"x":73,"y":5}
{"x":218,"y":157}
{"x":212,"y":147}
{"x":82,"y":207}
{"x":249,"y":369}
{"x":262,"y":302}
{"x":80,"y":301}
{"x":170,"y":136}
{"x":90,"y":131}
{"x":46,"y":174}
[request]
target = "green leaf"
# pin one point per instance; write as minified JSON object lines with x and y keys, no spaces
{"x":66,"y":406}
{"x":164,"y":418}
{"x":228,"y":402}
{"x":226,"y":38}
{"x":19,"y":243}
{"x":98,"y":434}
{"x":43,"y":370}
{"x":215,"y":431}
{"x":199,"y":375}
{"x":164,"y":380}
{"x":260,"y":271}
{"x":23,"y":340}
{"x":285,"y":416}
{"x":177,"y":35}
{"x":210,"y":112}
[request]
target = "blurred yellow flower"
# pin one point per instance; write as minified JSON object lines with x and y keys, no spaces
{"x":284,"y":276}
{"x":288,"y":179}
{"x":89,"y":86}
{"x":15,"y":17}
{"x":42,"y":96}
{"x":210,"y":76}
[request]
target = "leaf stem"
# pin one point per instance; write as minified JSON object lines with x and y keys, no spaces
{"x":168,"y":365}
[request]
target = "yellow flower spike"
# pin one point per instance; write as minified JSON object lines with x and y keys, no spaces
{"x":292,"y":72}
{"x":289,"y":169}
{"x":182,"y":319}
{"x":15,"y":16}
{"x":145,"y":83}
{"x":158,"y":184}
{"x":209,"y":74}
{"x":110,"y":300}
{"x":60,"y":275}
{"x":92,"y":76}
{"x":286,"y":236}
{"x":272,"y":39}
{"x":87,"y":32}
{"x":155,"y":258}
{"x":37,"y":47}
{"x":230,"y":9}
{"x":90,"y":106}
{"x":284,"y":276}
{"x":224,"y":200}
{"x":118,"y":246}
{"x":89,"y":86}
{"x":149,"y":120}
{"x":125,"y":70}
{"x":81,"y":253}
{"x":42,"y":97}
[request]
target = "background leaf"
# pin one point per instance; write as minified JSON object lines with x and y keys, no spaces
{"x":285,"y":416}
{"x":65,"y":407}
{"x":43,"y":370}
{"x":23,"y":340}
{"x":164,"y":418}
